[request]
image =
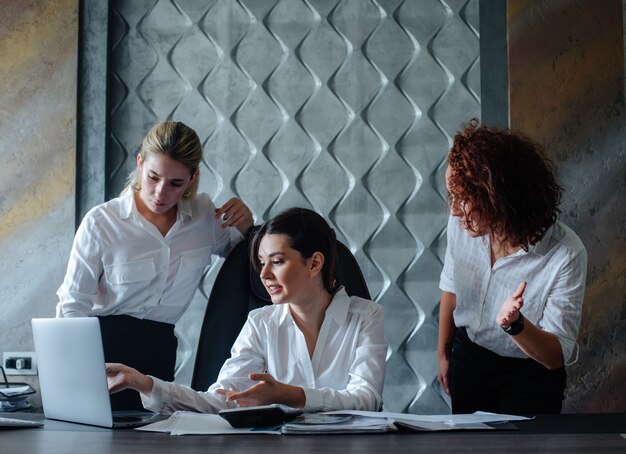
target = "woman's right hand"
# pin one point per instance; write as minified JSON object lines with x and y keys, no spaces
{"x":442,"y":376}
{"x":446,"y":336}
{"x":266,"y":391}
{"x":121,"y":377}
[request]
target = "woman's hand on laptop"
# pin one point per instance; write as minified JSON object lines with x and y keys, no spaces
{"x":121,"y":377}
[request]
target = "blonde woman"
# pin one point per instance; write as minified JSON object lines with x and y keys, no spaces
{"x":137,"y":260}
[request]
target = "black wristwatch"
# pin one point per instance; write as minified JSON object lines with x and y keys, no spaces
{"x":516,"y":327}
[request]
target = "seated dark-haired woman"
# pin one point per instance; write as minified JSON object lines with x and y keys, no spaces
{"x":314,"y":348}
{"x":513,"y":279}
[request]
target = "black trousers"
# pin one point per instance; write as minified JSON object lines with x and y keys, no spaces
{"x":146,"y":345}
{"x":483,"y":380}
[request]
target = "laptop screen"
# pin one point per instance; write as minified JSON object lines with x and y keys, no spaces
{"x":72,"y":373}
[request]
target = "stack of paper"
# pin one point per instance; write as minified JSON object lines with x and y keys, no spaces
{"x":190,"y":423}
{"x":351,"y":421}
{"x":354,"y":424}
{"x":474,"y":421}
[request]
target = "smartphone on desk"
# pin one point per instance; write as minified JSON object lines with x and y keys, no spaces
{"x":260,"y":416}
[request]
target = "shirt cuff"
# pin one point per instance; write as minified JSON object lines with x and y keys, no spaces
{"x":314,"y":400}
{"x":68,"y":310}
{"x":446,"y":285}
{"x":567,"y":347}
{"x":154,"y":402}
{"x":234,"y":235}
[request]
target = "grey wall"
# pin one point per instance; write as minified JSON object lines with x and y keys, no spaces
{"x":346,"y":107}
{"x":38,"y":61}
{"x":567,"y":91}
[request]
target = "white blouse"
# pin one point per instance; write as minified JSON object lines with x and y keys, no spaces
{"x":346,"y":371}
{"x":120,"y":264}
{"x":554,"y":268}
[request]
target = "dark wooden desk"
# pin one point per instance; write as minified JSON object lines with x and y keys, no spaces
{"x":596,"y":433}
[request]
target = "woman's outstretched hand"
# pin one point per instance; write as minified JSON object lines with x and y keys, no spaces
{"x":267,"y":391}
{"x":121,"y":377}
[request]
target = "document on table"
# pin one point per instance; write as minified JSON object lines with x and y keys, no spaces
{"x":191,"y":423}
{"x":349,"y":424}
{"x":15,"y":391}
{"x":474,"y":421}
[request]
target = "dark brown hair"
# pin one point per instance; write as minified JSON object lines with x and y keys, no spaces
{"x":307,"y":232}
{"x":508,"y":181}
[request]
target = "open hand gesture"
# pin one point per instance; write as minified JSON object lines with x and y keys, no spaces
{"x":267,"y":391}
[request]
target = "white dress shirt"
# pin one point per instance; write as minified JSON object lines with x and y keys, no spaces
{"x":121,"y":264}
{"x":554,"y":268}
{"x":346,"y":372}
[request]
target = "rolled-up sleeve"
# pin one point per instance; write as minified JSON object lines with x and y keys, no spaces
{"x":168,"y":397}
{"x":224,"y":238}
{"x":563,"y":308}
{"x":446,"y":280}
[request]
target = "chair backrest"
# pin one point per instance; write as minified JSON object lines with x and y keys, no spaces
{"x":238,"y":290}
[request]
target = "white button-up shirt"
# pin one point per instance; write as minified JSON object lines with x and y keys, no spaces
{"x":346,"y":371}
{"x":121,"y":264}
{"x":555,"y":269}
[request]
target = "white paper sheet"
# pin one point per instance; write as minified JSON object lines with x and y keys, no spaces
{"x":472,"y":421}
{"x":190,"y":423}
{"x":16,"y":390}
{"x":356,"y":424}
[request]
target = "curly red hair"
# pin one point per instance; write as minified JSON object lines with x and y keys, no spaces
{"x":507,"y":179}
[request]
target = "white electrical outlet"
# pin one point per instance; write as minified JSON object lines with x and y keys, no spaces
{"x":19,"y":363}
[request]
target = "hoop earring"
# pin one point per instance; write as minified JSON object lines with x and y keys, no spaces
{"x":187,"y":193}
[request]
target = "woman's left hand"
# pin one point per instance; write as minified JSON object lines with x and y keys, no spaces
{"x":509,"y":312}
{"x":267,"y":391}
{"x":235,"y":214}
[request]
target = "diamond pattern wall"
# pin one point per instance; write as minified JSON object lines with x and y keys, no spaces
{"x":344,"y":106}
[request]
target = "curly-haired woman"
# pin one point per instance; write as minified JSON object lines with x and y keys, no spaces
{"x":507,"y":255}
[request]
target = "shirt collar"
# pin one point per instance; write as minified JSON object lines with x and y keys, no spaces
{"x":127,"y":206}
{"x":128,"y":203}
{"x":337,"y":310}
{"x":339,"y":306}
{"x":185,"y":209}
{"x":542,"y":246}
{"x":539,"y":248}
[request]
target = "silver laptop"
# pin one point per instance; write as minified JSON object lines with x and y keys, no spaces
{"x":72,"y":374}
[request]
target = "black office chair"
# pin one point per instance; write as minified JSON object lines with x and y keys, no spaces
{"x":238,"y":290}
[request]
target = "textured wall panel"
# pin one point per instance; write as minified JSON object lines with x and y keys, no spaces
{"x":345,"y":106}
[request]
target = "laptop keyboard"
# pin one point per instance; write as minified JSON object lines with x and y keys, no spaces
{"x":117,"y":418}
